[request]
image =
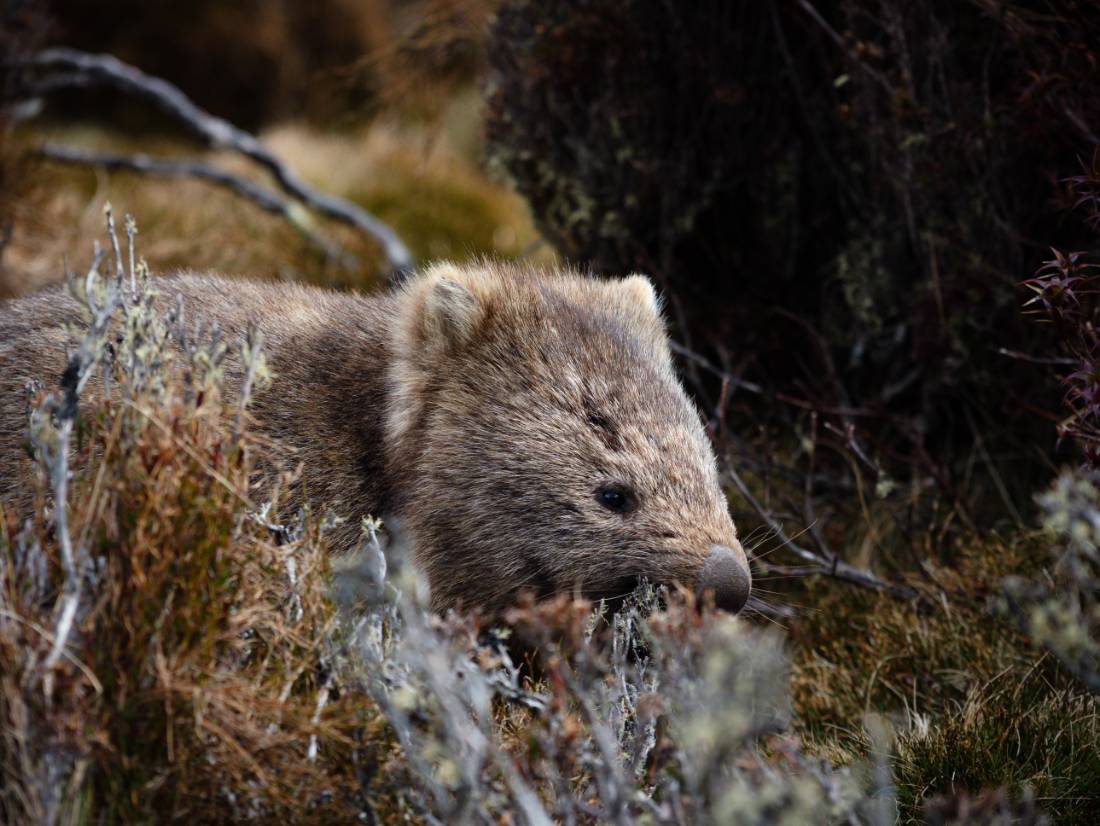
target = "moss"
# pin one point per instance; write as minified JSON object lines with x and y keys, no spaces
{"x":976,"y":704}
{"x":1014,"y":732}
{"x":441,"y":218}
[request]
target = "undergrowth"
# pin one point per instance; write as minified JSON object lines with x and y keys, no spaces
{"x":170,"y":648}
{"x":974,"y":703}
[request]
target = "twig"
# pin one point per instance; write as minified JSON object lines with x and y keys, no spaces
{"x":692,"y":357}
{"x":251,"y":349}
{"x":131,"y":232}
{"x":877,"y":76}
{"x":170,"y":168}
{"x":809,"y":513}
{"x":84,"y":69}
{"x":759,"y":390}
{"x":834,"y":567}
{"x":1060,"y":361}
{"x":77,"y":372}
{"x":113,"y":234}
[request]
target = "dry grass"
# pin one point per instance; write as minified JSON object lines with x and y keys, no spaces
{"x":428,"y":186}
{"x":197,"y":674}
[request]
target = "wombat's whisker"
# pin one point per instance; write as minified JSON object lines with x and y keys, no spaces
{"x":757,"y":590}
{"x":758,"y":539}
{"x":780,"y":546}
{"x":779,"y":601}
{"x":756,"y":580}
{"x":755,"y":613}
{"x":757,"y":607}
{"x":753,"y":538}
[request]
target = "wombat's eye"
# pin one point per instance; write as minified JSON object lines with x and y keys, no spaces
{"x":616,"y":498}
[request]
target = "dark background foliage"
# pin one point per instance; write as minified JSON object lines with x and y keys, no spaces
{"x":843,"y":197}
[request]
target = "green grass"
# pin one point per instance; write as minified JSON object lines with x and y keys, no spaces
{"x":975,"y":704}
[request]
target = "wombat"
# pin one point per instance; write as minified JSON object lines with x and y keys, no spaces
{"x":526,"y":428}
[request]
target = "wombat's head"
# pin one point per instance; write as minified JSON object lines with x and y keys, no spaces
{"x":543,"y":442}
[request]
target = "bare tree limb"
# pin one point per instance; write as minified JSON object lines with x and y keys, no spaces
{"x":74,"y":68}
{"x":171,"y":168}
{"x":834,"y":566}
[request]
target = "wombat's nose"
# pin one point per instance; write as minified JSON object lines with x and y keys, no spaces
{"x":726,"y":575}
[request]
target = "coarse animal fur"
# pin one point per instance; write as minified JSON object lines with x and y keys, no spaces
{"x":491,"y":408}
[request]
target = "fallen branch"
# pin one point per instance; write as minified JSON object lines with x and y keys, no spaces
{"x":170,"y":168}
{"x":72,"y":68}
{"x":819,"y":565}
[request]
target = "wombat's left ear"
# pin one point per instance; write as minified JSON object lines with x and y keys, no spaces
{"x":442,"y":308}
{"x":451,"y":311}
{"x":641,"y":294}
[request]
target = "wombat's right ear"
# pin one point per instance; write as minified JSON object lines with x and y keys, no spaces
{"x":641,"y":294}
{"x":438,"y":311}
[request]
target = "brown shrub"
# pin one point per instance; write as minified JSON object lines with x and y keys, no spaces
{"x":197,"y":676}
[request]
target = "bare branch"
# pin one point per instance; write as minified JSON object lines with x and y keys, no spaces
{"x":834,"y":567}
{"x":74,"y":68}
{"x":171,"y":168}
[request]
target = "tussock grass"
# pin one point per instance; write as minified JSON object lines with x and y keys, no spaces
{"x":192,"y":682}
{"x":1017,"y":732}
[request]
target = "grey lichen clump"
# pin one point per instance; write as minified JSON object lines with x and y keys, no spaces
{"x":648,"y":715}
{"x":1062,"y":611}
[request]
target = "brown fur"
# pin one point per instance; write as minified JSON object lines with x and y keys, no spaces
{"x":483,"y":406}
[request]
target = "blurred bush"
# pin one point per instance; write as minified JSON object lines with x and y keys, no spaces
{"x":1064,"y":296}
{"x":842,"y":196}
{"x":259,"y":61}
{"x":249,"y":62}
{"x":1062,"y":610}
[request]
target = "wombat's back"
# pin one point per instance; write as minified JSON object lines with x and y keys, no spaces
{"x":32,"y":355}
{"x":327,"y":351}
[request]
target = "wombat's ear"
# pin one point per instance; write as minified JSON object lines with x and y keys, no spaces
{"x":638,"y":297}
{"x":641,"y":294}
{"x":437,"y":311}
{"x":450,"y":310}
{"x":445,"y":310}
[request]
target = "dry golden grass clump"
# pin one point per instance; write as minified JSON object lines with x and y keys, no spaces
{"x":195,"y":679}
{"x":429,"y":187}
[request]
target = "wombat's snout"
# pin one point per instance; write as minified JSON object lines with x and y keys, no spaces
{"x":726,"y":575}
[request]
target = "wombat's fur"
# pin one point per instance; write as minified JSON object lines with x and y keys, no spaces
{"x":527,"y":429}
